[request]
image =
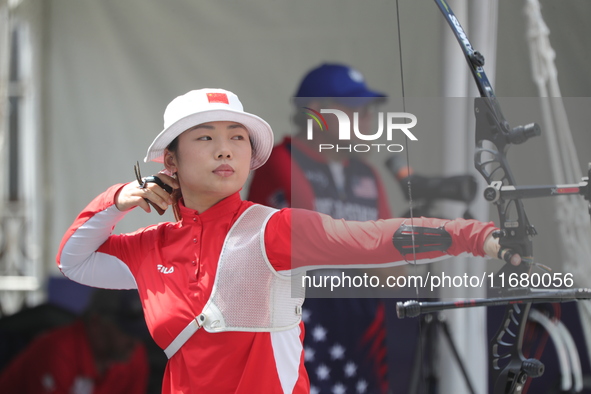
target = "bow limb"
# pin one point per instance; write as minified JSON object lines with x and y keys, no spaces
{"x":493,"y":138}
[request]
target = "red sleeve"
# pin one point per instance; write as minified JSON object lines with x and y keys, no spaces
{"x":299,"y":238}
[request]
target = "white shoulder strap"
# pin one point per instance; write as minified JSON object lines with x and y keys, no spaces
{"x":200,"y":320}
{"x":184,"y":335}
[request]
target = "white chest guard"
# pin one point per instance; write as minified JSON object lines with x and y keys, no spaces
{"x":248,"y":294}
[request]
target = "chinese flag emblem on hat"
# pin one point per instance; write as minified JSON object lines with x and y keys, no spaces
{"x":217,"y":98}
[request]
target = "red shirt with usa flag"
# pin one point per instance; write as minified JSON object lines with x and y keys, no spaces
{"x":173,"y":266}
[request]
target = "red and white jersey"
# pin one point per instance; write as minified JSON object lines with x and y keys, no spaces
{"x":173,"y":266}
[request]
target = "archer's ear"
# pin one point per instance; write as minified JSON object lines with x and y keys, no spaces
{"x":170,"y":161}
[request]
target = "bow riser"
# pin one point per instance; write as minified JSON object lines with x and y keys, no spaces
{"x":493,"y":137}
{"x":490,"y":160}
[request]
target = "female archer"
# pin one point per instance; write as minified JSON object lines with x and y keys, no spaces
{"x":216,"y":284}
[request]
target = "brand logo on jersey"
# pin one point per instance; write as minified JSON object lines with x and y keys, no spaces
{"x":165,"y":270}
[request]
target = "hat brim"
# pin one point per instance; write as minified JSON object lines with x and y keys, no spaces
{"x":259,"y":131}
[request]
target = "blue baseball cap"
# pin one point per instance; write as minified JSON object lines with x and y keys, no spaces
{"x":337,"y":81}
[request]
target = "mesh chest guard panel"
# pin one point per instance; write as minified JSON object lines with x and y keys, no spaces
{"x":248,"y":294}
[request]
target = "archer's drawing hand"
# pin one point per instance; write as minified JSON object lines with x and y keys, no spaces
{"x":132,"y":195}
{"x":492,"y":248}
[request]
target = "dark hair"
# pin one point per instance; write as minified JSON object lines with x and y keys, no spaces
{"x":174,"y":145}
{"x":176,"y":193}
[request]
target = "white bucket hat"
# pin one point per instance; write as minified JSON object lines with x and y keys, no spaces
{"x":210,"y":105}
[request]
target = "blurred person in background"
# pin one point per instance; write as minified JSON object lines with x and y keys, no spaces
{"x":99,"y":353}
{"x":345,"y":342}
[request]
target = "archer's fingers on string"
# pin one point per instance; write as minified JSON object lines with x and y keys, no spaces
{"x":162,"y":194}
{"x":167,"y":179}
{"x":162,"y":185}
{"x":143,"y":204}
{"x":156,"y":195}
{"x":158,"y":181}
{"x":128,"y":197}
